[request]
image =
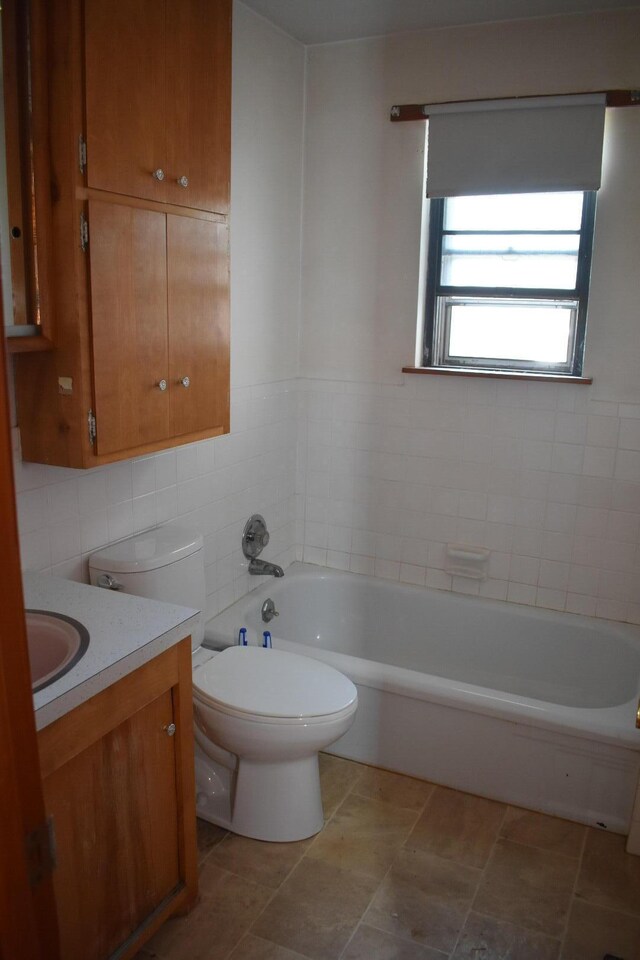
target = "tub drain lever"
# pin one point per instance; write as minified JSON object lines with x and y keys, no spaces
{"x":268,"y":610}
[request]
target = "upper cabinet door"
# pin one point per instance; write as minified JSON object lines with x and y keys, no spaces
{"x":129,"y":326}
{"x":158,"y":100}
{"x":198,"y":299}
{"x":199,"y":103}
{"x":125,"y":96}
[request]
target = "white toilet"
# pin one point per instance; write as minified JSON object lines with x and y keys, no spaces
{"x":261,"y":716}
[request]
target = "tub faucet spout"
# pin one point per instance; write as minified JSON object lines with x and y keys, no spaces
{"x":264,"y":568}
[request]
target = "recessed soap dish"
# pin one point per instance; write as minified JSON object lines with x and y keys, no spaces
{"x":467,"y":561}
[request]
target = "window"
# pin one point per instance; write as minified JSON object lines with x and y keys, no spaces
{"x":508,"y":281}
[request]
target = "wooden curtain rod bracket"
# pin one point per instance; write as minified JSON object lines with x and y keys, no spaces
{"x":416,"y":111}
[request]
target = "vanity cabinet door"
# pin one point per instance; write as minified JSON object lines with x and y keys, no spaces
{"x":129,"y":338}
{"x":198,"y":298}
{"x":115,"y":811}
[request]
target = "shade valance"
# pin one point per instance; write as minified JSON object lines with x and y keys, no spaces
{"x":538,"y":144}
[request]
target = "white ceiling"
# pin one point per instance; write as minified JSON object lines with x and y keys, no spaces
{"x":323,"y":21}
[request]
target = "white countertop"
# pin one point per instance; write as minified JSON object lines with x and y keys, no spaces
{"x":124,"y":633}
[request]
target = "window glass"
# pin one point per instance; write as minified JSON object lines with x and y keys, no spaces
{"x":507,"y":331}
{"x":536,"y":261}
{"x":508,"y":280}
{"x":515,"y":211}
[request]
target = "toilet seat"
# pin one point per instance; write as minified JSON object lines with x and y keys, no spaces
{"x":273,"y":686}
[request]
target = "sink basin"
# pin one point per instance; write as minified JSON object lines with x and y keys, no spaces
{"x":56,"y":643}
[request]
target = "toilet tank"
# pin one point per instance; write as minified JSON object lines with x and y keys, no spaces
{"x":163,"y":564}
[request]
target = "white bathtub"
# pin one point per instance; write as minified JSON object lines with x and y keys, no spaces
{"x":523,"y":705}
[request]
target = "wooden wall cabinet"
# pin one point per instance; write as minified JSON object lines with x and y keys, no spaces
{"x":140,"y":265}
{"x":150,"y":384}
{"x":118,"y":782}
{"x":157,"y":95}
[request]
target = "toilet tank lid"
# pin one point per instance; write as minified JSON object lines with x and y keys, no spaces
{"x":148,"y":551}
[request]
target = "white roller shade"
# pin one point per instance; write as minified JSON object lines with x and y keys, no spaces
{"x":532,"y":145}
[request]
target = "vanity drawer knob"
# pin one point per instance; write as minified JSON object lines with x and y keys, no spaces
{"x":170,"y":728}
{"x":161,"y":385}
{"x":185,"y":381}
{"x":183,"y":181}
{"x":158,"y":174}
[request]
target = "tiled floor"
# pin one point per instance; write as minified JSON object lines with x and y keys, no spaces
{"x":404,"y":870}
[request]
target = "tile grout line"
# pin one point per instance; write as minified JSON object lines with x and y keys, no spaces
{"x":274,"y":892}
{"x":419,"y":813}
{"x":284,"y":880}
{"x":563,"y":938}
{"x":414,"y":943}
{"x":482,"y":876}
{"x":364,"y":912}
{"x":521,"y":923}
{"x":215,"y":845}
{"x":399,"y":936}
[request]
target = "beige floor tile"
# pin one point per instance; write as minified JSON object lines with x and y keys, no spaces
{"x":609,"y":876}
{"x":227,"y":907}
{"x":527,"y":886}
{"x":370,"y":944}
{"x":266,"y":863}
{"x":595,"y":931}
{"x":208,"y":836}
{"x":393,"y":788}
{"x":363,"y":835}
{"x":316,"y":910}
{"x":458,"y":826}
{"x":491,"y":939}
{"x":337,"y":777}
{"x":255,"y":948}
{"x":424,"y":898}
{"x":540,"y":830}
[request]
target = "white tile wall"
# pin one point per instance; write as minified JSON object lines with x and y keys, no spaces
{"x":213,"y":486}
{"x":542,"y":474}
{"x":378,"y":479}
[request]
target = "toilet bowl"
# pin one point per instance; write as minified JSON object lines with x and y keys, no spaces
{"x":270,"y":712}
{"x":260,"y":715}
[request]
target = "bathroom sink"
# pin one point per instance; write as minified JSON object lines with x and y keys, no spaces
{"x":56,"y":643}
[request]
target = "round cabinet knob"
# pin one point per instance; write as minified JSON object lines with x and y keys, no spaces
{"x":185,"y":381}
{"x":162,"y":385}
{"x":158,"y":174}
{"x":183,"y":181}
{"x":170,"y":728}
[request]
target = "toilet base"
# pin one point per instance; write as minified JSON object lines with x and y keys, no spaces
{"x":214,"y":785}
{"x":278,"y":802}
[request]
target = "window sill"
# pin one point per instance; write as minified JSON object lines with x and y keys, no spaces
{"x":497,"y":374}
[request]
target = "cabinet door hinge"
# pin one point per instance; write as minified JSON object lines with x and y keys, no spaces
{"x":91,"y":420}
{"x":84,"y":232}
{"x":40,"y":852}
{"x":82,"y":153}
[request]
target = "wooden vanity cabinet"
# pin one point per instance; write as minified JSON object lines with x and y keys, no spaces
{"x":140,"y":265}
{"x":118,"y":782}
